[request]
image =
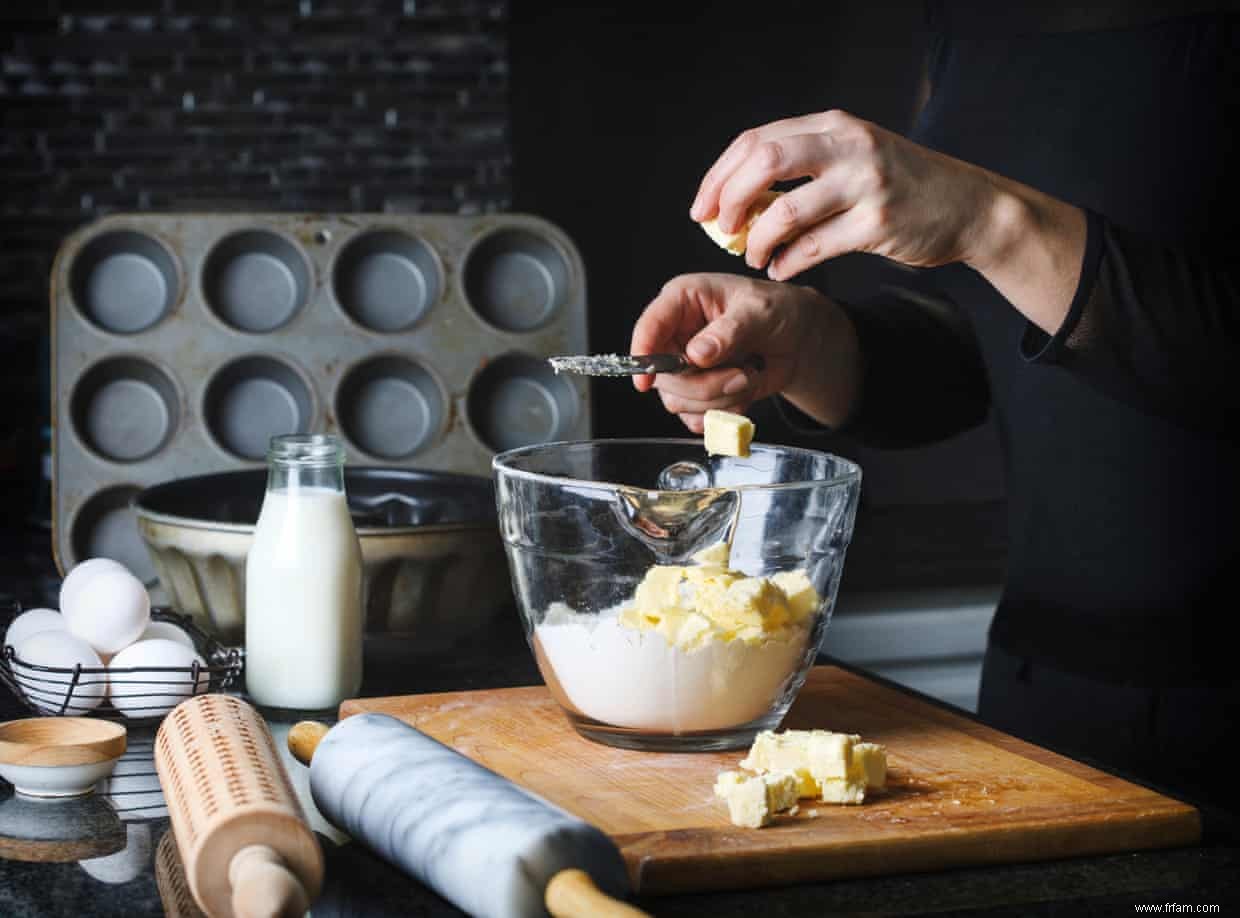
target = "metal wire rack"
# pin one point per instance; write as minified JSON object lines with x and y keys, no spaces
{"x":133,"y":788}
{"x":148,"y":692}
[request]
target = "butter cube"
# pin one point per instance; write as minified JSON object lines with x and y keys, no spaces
{"x":736,"y":242}
{"x":869,"y":764}
{"x":834,"y":767}
{"x":837,"y":790}
{"x":806,"y":785}
{"x":728,"y":434}
{"x":694,"y":631}
{"x":715,"y":557}
{"x":659,"y":590}
{"x":752,"y":602}
{"x":803,"y":599}
{"x":754,"y":799}
{"x":820,"y":753}
{"x":829,"y":754}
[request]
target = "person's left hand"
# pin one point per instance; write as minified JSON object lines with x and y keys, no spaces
{"x":869,"y":191}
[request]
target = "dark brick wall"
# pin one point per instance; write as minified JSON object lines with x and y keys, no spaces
{"x":334,"y":105}
{"x":243,"y":104}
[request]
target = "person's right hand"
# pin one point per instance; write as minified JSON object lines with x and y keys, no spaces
{"x":806,"y":343}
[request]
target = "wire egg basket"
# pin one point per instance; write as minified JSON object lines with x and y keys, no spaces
{"x":146,"y":693}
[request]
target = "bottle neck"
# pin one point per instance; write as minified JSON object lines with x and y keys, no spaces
{"x":299,"y":461}
{"x":294,"y":476}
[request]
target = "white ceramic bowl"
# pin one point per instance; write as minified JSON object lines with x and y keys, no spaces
{"x":59,"y":756}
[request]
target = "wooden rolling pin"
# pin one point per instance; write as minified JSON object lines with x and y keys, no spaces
{"x":481,"y":842}
{"x":245,"y":846}
{"x":174,"y":894}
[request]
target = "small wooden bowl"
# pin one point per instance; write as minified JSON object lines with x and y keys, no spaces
{"x":59,"y":756}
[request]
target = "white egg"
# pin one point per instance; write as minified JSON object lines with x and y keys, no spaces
{"x":110,"y":612}
{"x":167,"y":631}
{"x":152,"y":693}
{"x":48,"y":691}
{"x":81,"y":573}
{"x":32,"y":622}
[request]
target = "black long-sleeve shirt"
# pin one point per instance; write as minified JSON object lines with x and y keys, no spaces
{"x":1121,"y":457}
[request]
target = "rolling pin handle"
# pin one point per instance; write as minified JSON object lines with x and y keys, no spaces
{"x":304,"y":737}
{"x":572,"y":894}
{"x":263,"y":887}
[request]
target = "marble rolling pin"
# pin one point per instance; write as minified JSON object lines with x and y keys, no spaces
{"x":481,"y":842}
{"x":245,"y":846}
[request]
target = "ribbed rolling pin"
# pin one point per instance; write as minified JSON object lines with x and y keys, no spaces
{"x":174,"y":894}
{"x":245,"y":846}
{"x":488,"y":846}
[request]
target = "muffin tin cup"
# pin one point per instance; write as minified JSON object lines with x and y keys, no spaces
{"x":255,"y":398}
{"x":386,"y":280}
{"x":518,"y":400}
{"x":183,"y":342}
{"x":125,"y":408}
{"x":256,"y":280}
{"x":125,"y":281}
{"x":390,"y":407}
{"x":516,"y":280}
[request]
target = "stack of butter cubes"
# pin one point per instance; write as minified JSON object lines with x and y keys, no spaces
{"x":784,"y":768}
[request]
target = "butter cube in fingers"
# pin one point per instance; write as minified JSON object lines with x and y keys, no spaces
{"x":727,"y":434}
{"x":736,"y":242}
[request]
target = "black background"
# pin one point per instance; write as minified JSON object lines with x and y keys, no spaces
{"x":600,"y":117}
{"x":618,"y":110}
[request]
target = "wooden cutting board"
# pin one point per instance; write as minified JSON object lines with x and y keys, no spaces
{"x":959,"y":793}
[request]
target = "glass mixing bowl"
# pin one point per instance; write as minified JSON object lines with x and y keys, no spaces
{"x":699,"y":659}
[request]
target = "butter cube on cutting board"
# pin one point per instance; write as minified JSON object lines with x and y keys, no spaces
{"x":820,"y":758}
{"x":870,"y":764}
{"x":833,"y":767}
{"x":754,"y":799}
{"x":727,"y":434}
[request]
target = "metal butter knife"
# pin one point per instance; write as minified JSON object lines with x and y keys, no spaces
{"x":633,"y":364}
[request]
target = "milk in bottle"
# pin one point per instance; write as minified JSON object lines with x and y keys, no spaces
{"x":303,"y":598}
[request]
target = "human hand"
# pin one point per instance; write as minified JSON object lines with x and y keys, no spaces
{"x":807,"y":345}
{"x":870,"y":190}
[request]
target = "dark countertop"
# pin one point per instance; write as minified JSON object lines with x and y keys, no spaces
{"x":358,"y":884}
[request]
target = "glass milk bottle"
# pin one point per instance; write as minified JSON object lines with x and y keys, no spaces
{"x":303,"y":594}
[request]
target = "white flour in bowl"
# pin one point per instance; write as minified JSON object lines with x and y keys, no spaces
{"x":629,"y":677}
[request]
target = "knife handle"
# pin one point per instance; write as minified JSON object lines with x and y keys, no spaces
{"x":677,"y":363}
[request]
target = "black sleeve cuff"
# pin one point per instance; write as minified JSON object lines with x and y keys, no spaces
{"x":798,"y":421}
{"x":1036,"y":346}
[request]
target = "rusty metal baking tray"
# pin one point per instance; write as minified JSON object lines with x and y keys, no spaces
{"x":183,"y":342}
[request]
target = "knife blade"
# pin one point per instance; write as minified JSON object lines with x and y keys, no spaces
{"x":634,"y":364}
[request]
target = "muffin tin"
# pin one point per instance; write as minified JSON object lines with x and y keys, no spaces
{"x":183,"y":342}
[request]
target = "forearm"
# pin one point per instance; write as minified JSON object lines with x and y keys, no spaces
{"x":1029,"y":247}
{"x":826,"y":382}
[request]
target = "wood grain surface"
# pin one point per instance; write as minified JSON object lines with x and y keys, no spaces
{"x":61,"y":741}
{"x":959,"y":793}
